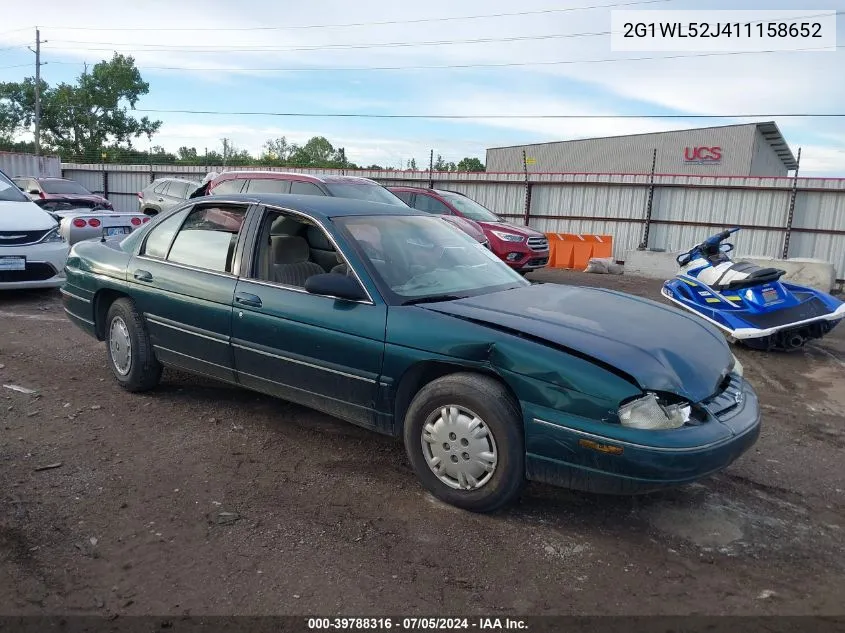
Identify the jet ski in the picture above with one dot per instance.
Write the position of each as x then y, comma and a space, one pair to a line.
748, 302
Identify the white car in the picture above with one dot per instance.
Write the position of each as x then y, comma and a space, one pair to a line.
32, 251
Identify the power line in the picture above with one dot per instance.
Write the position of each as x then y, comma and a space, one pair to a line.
153, 48
25, 28
15, 66
467, 66
354, 24
269, 48
362, 115
8, 48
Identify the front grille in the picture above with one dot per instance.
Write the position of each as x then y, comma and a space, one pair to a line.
20, 238
538, 261
34, 272
538, 243
811, 309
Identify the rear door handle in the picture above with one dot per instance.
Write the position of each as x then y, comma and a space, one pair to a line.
248, 300
143, 275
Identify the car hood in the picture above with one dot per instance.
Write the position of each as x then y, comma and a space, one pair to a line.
24, 216
661, 348
511, 228
467, 226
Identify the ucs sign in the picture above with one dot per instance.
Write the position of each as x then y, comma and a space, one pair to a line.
703, 155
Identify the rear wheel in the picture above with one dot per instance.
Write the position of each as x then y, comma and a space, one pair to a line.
130, 353
464, 438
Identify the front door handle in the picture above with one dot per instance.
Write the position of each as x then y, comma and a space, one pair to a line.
248, 300
143, 275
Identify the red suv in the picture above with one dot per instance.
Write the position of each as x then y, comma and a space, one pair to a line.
521, 247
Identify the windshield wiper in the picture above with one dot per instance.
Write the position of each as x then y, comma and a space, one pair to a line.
432, 299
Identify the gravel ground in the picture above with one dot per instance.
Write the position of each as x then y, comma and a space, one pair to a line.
202, 499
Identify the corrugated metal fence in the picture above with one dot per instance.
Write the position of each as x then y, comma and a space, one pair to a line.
15, 164
685, 209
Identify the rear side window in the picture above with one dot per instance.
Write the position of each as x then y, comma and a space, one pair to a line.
305, 188
430, 205
268, 185
159, 239
178, 189
228, 186
207, 238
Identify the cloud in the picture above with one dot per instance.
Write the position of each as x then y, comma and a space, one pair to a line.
759, 84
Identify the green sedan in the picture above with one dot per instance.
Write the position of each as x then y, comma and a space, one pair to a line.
394, 320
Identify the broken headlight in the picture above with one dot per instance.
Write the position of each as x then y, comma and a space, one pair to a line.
650, 414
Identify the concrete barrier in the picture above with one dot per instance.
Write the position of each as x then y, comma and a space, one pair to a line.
814, 273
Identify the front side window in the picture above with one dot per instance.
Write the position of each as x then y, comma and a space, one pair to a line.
207, 238
404, 196
363, 191
470, 208
292, 248
420, 257
431, 205
9, 192
305, 188
161, 187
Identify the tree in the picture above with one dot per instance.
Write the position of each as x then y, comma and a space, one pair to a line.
82, 118
470, 164
188, 155
412, 164
442, 165
319, 150
278, 149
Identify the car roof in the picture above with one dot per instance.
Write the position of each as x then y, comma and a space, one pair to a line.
319, 206
284, 175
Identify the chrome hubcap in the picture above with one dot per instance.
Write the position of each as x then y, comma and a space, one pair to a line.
120, 346
459, 448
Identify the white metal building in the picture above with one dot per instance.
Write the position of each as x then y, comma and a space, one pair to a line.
751, 149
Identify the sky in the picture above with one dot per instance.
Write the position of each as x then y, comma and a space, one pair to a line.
214, 55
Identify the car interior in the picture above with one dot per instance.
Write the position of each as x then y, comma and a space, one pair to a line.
294, 249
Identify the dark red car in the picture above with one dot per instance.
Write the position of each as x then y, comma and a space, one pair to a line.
336, 186
56, 194
521, 247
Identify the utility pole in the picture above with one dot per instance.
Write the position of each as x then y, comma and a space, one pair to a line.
37, 52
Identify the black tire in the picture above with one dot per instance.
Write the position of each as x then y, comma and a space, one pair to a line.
491, 402
144, 370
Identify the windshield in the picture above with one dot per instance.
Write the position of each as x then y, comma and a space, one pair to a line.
9, 191
365, 191
470, 208
418, 257
64, 186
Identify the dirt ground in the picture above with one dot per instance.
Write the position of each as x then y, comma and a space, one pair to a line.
202, 499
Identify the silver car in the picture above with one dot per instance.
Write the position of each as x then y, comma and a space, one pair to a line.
162, 194
76, 225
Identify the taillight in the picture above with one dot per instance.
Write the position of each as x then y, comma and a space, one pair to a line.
94, 222
146, 219
136, 221
79, 223
140, 196
41, 195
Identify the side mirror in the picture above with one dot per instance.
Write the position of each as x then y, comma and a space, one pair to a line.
335, 285
34, 192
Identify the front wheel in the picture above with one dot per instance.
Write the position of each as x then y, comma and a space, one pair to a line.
464, 438
130, 353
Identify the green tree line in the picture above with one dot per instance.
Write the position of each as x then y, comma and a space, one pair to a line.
91, 121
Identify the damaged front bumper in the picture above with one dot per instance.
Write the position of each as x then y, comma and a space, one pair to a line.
608, 458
